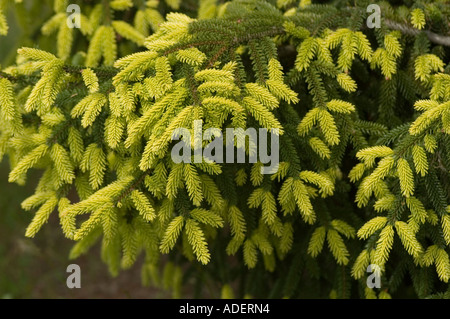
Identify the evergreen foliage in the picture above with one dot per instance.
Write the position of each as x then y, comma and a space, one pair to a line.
363, 117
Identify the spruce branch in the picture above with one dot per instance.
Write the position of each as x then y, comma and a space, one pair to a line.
26, 80
107, 12
433, 37
132, 186
102, 135
193, 44
193, 86
103, 72
216, 56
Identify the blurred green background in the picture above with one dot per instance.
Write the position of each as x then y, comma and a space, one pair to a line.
36, 268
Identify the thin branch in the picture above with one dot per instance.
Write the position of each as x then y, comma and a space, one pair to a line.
103, 71
19, 78
132, 186
433, 37
216, 56
258, 63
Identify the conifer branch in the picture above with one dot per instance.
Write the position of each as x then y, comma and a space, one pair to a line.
216, 56
103, 72
106, 12
433, 37
132, 186
104, 129
23, 79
